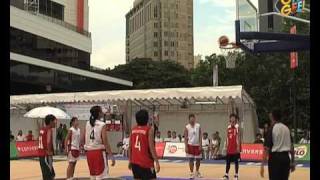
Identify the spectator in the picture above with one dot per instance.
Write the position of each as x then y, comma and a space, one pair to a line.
258, 139
64, 135
125, 146
11, 136
20, 136
168, 139
215, 145
158, 137
174, 137
30, 137
305, 139
59, 139
205, 145
265, 130
119, 146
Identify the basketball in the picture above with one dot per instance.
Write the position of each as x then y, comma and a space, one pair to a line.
223, 41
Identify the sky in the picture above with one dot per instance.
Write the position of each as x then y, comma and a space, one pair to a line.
212, 19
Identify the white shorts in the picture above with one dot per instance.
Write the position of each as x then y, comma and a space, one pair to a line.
105, 173
71, 158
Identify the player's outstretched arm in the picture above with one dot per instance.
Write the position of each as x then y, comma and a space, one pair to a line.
129, 153
107, 145
186, 139
49, 143
153, 150
68, 138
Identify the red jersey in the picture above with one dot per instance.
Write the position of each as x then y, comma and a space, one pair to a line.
140, 153
232, 134
43, 145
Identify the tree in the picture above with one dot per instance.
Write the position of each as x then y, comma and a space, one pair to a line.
146, 74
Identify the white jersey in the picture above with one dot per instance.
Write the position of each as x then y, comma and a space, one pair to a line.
75, 138
193, 134
167, 139
93, 140
176, 139
205, 142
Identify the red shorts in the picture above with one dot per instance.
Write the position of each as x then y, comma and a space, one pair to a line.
194, 151
96, 162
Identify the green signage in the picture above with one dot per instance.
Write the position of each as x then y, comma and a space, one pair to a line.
302, 152
13, 150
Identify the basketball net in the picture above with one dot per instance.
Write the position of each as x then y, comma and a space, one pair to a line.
229, 50
230, 55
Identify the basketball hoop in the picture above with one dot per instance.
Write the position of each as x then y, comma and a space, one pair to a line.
229, 50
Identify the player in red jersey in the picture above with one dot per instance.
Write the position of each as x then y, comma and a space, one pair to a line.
142, 153
233, 147
46, 147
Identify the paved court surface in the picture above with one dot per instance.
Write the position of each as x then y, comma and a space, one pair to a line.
29, 169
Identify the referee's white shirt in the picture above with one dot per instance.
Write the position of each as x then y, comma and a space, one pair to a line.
281, 138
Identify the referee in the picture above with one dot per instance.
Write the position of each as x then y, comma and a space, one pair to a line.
278, 145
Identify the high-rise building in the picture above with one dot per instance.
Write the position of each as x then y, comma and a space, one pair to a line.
50, 48
196, 60
160, 30
270, 23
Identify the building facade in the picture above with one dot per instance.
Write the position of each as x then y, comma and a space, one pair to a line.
160, 30
50, 48
270, 23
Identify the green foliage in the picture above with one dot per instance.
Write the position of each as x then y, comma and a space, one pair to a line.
146, 74
267, 78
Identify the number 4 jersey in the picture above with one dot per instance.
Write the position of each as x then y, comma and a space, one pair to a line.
93, 140
140, 152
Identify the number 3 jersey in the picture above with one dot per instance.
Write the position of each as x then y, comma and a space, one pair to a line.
140, 152
93, 139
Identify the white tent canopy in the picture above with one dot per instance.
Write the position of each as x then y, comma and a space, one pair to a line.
145, 97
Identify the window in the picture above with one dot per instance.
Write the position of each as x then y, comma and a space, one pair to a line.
172, 53
52, 9
165, 33
155, 25
166, 43
155, 11
166, 53
155, 53
172, 44
155, 44
155, 34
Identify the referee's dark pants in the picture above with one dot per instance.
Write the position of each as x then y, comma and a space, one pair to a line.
279, 166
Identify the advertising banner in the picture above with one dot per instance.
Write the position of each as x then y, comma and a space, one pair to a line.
174, 150
160, 149
252, 152
302, 152
13, 150
27, 149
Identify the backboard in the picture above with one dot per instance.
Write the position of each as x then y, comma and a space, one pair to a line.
249, 38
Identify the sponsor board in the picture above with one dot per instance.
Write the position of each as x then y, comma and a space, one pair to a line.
302, 152
160, 149
27, 149
252, 152
174, 150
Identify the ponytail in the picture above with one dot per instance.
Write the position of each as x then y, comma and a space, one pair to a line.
95, 112
92, 120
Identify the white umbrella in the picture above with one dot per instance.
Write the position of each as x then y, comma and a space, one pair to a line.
42, 112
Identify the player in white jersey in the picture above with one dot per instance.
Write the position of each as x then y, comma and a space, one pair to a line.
97, 146
205, 145
193, 145
72, 143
